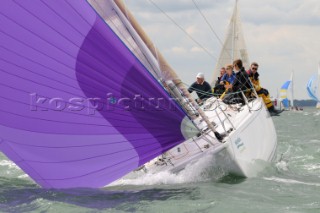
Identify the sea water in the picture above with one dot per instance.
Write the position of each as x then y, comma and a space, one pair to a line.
289, 184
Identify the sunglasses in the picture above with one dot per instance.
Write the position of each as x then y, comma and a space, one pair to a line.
254, 68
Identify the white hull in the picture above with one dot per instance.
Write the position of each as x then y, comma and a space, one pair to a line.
243, 151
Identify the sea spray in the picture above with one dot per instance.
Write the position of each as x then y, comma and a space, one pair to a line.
202, 170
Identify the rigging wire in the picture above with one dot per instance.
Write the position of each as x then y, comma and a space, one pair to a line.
183, 30
208, 23
206, 20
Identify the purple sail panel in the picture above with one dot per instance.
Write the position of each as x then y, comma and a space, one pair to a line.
77, 107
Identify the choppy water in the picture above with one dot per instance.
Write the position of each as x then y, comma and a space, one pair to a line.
291, 184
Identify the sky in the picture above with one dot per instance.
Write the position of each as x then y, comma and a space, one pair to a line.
282, 36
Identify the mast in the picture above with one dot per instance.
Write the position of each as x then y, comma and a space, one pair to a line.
164, 65
292, 85
318, 81
318, 88
234, 32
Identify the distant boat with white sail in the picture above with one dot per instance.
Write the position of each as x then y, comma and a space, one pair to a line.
287, 95
313, 87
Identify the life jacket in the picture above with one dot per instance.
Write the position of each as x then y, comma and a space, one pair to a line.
254, 77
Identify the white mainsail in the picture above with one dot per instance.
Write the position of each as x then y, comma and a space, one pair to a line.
287, 93
234, 46
318, 104
292, 89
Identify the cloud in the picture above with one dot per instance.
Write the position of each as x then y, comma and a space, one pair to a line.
282, 12
196, 49
170, 6
178, 50
191, 29
281, 35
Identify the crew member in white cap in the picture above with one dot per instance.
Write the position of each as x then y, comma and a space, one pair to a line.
201, 87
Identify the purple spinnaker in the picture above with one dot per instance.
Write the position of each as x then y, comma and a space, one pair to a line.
78, 109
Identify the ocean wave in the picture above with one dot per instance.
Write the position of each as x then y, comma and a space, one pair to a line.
290, 181
311, 167
24, 176
314, 141
9, 164
303, 158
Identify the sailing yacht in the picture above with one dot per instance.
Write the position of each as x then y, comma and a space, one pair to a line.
286, 102
74, 112
287, 95
313, 87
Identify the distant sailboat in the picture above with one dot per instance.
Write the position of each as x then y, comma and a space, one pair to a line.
234, 46
287, 95
284, 93
313, 87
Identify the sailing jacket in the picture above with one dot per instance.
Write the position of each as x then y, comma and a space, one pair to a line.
254, 77
203, 90
228, 78
241, 82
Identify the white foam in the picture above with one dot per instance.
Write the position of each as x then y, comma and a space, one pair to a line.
8, 163
311, 167
282, 165
314, 141
290, 181
303, 158
317, 113
24, 176
197, 172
